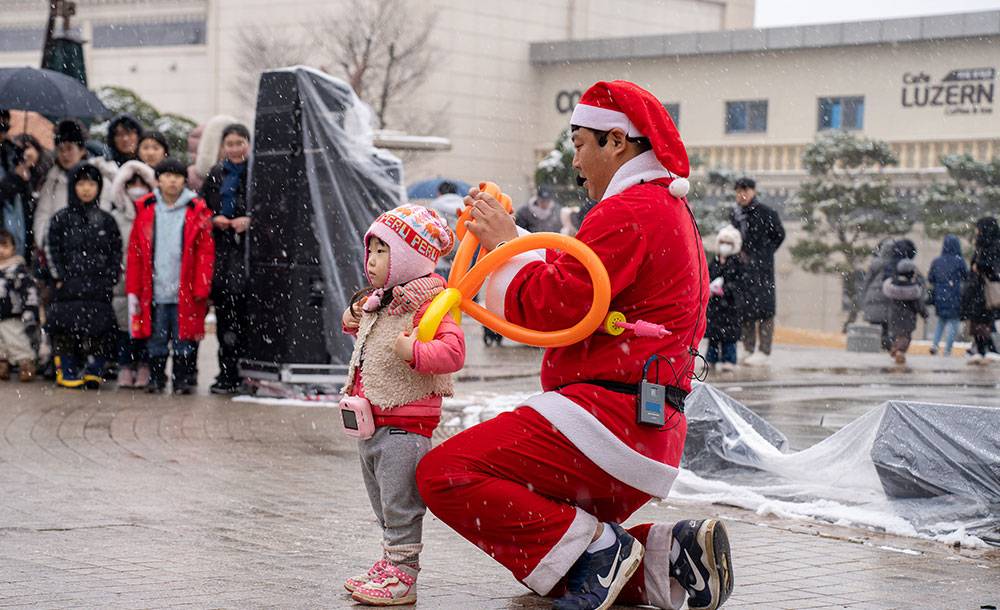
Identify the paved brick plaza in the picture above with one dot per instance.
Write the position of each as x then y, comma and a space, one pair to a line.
116, 499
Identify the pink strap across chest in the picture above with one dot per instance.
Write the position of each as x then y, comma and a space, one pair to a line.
407, 411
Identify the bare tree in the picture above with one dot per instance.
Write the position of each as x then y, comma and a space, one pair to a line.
380, 47
262, 49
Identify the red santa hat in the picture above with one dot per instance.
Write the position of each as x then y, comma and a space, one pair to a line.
627, 106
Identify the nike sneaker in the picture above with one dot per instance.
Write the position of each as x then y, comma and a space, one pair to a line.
701, 562
596, 579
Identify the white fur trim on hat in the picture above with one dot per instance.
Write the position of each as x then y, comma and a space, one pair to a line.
603, 119
210, 144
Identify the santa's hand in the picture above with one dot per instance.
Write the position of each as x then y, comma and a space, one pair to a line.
491, 223
403, 347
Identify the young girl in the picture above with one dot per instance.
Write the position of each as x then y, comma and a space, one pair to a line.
724, 310
404, 381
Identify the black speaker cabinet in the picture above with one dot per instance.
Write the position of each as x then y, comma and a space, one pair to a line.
310, 208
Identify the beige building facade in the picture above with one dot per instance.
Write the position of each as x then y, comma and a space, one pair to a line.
750, 101
182, 56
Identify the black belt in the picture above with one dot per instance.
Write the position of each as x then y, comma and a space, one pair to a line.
675, 396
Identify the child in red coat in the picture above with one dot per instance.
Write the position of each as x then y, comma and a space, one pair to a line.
168, 277
404, 381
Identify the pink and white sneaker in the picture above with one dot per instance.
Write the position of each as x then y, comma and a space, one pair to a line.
353, 583
395, 586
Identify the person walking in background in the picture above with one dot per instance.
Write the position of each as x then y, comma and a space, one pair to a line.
168, 277
981, 300
724, 307
875, 303
763, 234
84, 251
448, 203
541, 213
945, 278
18, 312
225, 193
905, 290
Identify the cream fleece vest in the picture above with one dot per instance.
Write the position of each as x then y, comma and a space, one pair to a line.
389, 381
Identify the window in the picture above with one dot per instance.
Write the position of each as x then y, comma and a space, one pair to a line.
17, 39
674, 110
841, 113
116, 35
748, 116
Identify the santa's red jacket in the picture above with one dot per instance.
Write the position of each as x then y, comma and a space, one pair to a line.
649, 244
197, 260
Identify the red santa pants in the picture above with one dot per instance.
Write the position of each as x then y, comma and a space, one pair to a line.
519, 490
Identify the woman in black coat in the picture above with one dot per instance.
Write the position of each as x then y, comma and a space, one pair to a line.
84, 254
985, 267
225, 192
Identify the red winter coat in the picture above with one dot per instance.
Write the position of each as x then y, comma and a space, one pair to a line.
197, 260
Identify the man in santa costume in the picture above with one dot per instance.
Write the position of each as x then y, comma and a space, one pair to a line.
543, 489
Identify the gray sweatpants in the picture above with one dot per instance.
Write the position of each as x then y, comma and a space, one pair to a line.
389, 464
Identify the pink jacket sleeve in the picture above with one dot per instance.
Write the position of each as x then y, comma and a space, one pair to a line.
443, 354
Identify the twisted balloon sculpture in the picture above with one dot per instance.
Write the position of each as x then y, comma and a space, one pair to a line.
464, 282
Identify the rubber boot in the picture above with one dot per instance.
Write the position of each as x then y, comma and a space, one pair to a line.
93, 373
67, 373
157, 376
183, 375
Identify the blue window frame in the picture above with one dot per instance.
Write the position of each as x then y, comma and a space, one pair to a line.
841, 113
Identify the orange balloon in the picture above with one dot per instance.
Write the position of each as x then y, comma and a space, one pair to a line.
468, 282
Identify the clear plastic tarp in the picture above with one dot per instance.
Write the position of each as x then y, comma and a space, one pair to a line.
907, 468
350, 183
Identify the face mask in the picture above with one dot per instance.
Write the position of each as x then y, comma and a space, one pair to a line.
136, 191
725, 249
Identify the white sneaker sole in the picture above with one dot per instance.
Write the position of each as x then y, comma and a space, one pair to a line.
713, 537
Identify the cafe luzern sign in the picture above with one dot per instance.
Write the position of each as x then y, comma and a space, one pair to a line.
965, 91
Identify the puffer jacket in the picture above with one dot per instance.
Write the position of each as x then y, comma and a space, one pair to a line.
84, 254
946, 275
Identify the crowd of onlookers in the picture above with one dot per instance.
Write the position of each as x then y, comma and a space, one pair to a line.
895, 293
111, 252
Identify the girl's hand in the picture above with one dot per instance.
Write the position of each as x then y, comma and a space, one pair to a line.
220, 222
404, 345
348, 319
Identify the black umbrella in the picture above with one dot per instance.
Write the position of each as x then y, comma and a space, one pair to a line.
49, 93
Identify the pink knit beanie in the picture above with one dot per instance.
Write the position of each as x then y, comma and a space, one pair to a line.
417, 237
